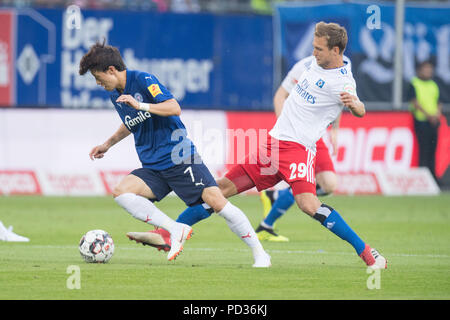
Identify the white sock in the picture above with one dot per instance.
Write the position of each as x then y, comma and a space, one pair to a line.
265, 225
238, 222
144, 210
275, 195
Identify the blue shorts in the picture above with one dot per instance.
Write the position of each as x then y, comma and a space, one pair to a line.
186, 180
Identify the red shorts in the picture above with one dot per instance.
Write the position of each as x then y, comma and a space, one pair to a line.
275, 161
323, 159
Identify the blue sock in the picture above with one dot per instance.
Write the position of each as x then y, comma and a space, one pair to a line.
194, 214
284, 201
332, 220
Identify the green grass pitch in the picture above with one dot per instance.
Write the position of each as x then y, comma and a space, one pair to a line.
413, 233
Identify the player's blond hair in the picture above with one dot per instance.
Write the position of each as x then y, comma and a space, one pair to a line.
335, 34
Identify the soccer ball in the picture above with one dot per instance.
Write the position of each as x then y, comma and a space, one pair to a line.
96, 246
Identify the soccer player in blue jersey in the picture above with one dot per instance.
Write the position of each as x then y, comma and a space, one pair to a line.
169, 159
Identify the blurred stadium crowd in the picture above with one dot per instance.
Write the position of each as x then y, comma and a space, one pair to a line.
244, 6
255, 6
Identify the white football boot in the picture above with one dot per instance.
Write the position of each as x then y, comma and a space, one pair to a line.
158, 238
262, 260
9, 235
373, 259
3, 232
179, 235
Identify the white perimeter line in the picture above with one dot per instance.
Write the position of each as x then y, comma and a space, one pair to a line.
443, 256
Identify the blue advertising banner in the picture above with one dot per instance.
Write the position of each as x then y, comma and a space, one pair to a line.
371, 45
206, 61
218, 61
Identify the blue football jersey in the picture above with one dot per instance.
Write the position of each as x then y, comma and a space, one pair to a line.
161, 142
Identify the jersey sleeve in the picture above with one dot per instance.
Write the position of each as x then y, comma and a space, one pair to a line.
293, 75
153, 89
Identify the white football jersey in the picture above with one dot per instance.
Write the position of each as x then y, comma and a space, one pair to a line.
296, 71
313, 103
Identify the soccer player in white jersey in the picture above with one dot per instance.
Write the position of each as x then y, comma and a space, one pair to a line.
277, 202
322, 91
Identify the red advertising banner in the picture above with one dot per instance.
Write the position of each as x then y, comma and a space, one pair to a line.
70, 183
19, 182
111, 178
358, 183
379, 141
443, 148
6, 57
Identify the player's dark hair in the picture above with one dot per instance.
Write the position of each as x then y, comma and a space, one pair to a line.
100, 57
335, 34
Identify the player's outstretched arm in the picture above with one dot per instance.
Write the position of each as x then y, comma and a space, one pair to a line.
99, 151
278, 100
352, 102
334, 133
166, 108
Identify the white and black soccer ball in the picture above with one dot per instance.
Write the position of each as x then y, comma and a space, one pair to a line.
96, 246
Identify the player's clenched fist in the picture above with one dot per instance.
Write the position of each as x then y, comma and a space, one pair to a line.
129, 100
353, 103
347, 99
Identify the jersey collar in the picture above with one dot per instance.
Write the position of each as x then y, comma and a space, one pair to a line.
334, 70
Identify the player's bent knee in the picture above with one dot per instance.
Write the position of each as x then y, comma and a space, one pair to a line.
307, 208
117, 191
308, 203
327, 180
133, 184
123, 186
214, 198
330, 186
227, 187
